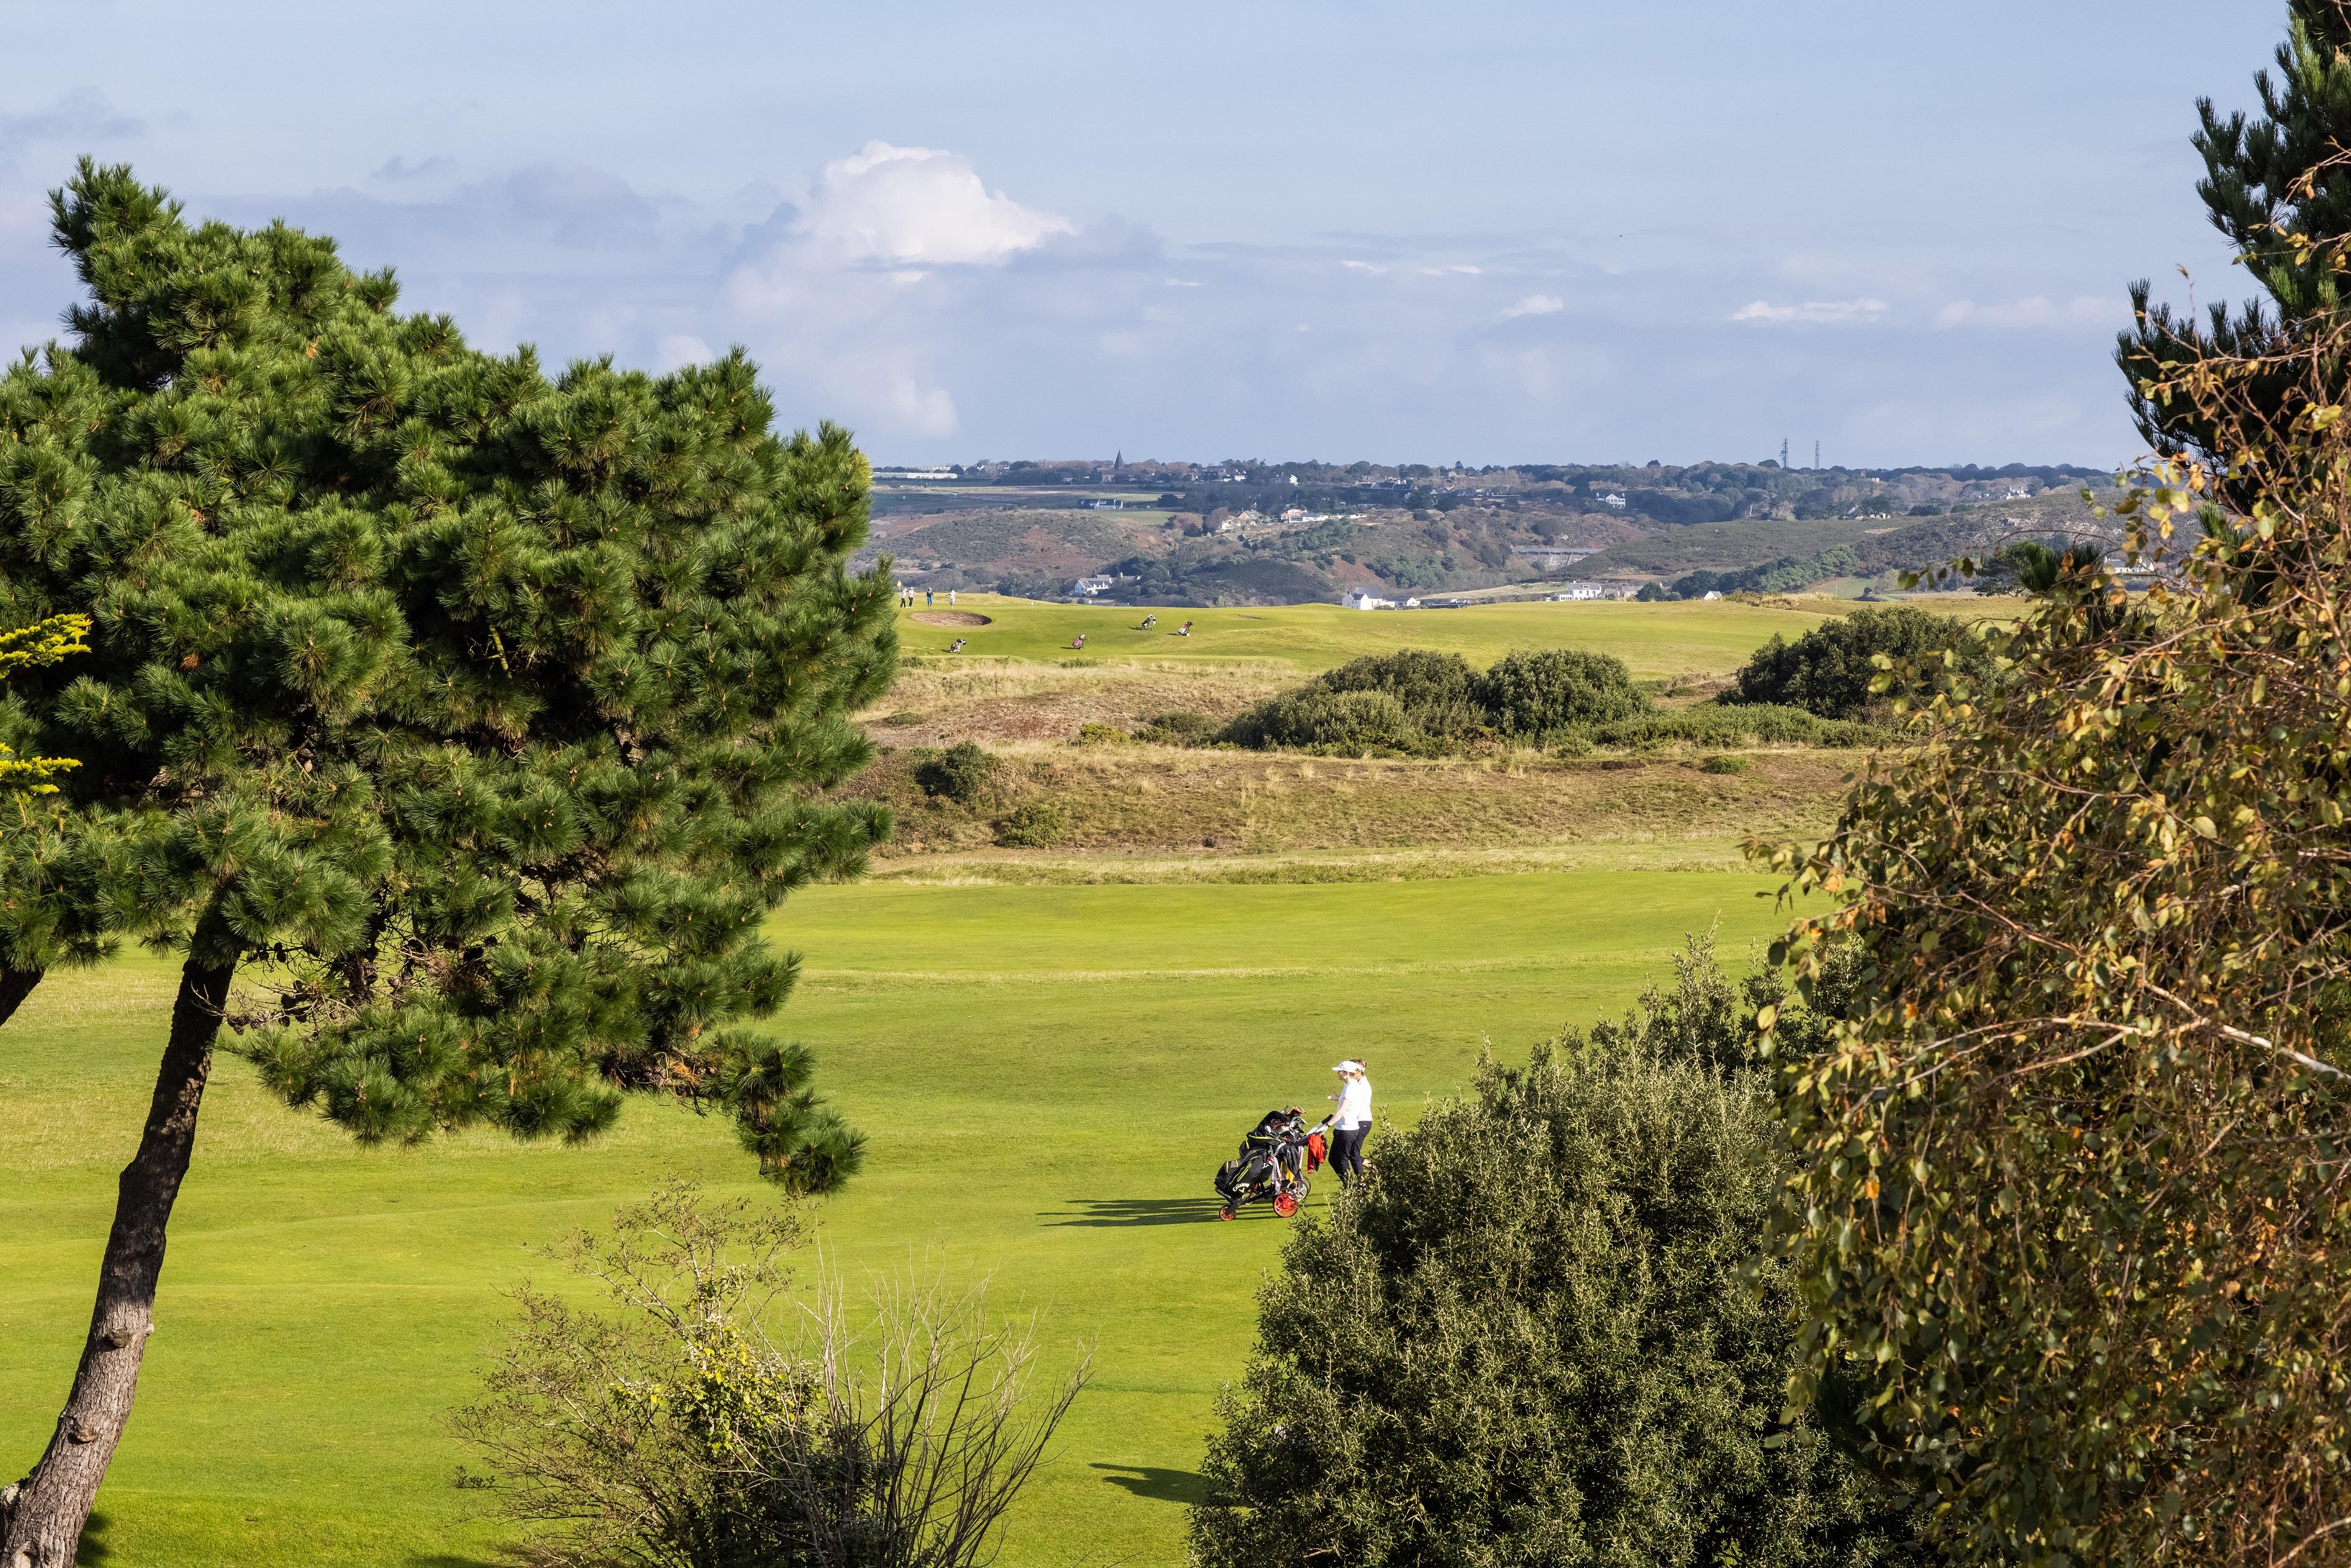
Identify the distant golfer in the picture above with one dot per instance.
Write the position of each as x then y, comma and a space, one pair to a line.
929, 598
1350, 1122
950, 596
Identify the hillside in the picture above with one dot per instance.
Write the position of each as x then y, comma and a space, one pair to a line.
1266, 536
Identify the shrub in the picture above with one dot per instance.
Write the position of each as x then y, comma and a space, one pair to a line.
674, 1430
1181, 729
1549, 1324
1092, 733
1710, 724
964, 773
1035, 826
1724, 764
1827, 671
1534, 694
1313, 718
1421, 679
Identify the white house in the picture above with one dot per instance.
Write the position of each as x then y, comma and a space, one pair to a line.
1364, 599
1089, 586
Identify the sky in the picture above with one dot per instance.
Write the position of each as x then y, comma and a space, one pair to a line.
1552, 231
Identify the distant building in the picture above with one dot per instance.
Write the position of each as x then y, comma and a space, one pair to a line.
1364, 599
1710, 593
907, 473
1611, 499
1089, 586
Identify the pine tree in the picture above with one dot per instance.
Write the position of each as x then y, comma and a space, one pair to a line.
2279, 187
458, 723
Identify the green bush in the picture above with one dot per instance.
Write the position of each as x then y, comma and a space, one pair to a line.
1420, 704
1035, 826
1725, 763
1312, 718
964, 773
1092, 734
1827, 671
1549, 1321
1539, 693
1182, 728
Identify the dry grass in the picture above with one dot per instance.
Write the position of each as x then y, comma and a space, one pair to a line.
1003, 700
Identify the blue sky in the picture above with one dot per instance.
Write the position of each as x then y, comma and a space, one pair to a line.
1564, 231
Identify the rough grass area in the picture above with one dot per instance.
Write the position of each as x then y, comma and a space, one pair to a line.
1128, 799
1049, 1076
993, 700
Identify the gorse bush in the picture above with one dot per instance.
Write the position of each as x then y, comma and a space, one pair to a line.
1530, 695
671, 1428
1037, 825
1417, 702
1545, 1333
1828, 670
1314, 719
1760, 723
966, 773
1181, 729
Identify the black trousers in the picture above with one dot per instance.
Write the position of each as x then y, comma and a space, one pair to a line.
1347, 1152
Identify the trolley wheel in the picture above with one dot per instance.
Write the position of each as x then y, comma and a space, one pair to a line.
1224, 1213
1285, 1205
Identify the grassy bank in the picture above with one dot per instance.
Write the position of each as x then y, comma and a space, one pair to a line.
1050, 1075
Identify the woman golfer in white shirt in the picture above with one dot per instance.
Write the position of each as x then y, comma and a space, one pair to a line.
1351, 1121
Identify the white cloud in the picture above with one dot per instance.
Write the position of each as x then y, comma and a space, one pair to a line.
1536, 305
680, 349
2036, 311
1460, 269
903, 205
921, 411
1362, 266
1813, 311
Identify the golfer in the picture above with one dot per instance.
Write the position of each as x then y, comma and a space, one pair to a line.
1350, 1122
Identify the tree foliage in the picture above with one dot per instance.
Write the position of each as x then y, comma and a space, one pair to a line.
2279, 188
2073, 1209
486, 709
1545, 1334
460, 723
43, 643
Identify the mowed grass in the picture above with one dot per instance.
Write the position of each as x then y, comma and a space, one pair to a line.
1049, 1075
1654, 640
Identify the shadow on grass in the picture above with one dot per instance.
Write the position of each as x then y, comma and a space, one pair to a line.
92, 1547
1160, 1485
1101, 1211
450, 1560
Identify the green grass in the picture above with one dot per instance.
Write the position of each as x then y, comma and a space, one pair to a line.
1049, 1075
1655, 640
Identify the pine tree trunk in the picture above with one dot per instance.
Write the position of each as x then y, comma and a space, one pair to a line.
16, 985
41, 1517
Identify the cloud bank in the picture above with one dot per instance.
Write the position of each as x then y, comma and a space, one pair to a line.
893, 288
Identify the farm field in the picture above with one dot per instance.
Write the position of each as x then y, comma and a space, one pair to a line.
1655, 640
1049, 1075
